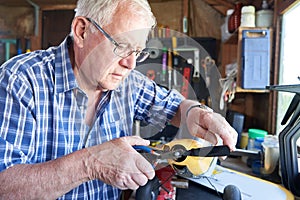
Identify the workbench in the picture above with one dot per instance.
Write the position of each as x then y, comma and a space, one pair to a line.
250, 187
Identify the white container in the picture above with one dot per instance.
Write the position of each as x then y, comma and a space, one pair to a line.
224, 28
271, 154
264, 18
248, 16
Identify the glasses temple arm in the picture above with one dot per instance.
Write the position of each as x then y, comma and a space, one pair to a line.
103, 31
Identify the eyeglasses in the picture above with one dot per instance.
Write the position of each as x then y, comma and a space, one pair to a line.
122, 50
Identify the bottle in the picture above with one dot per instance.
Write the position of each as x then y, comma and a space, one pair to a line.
248, 16
264, 5
235, 18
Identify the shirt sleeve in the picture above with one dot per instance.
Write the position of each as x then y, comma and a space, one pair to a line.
17, 123
154, 104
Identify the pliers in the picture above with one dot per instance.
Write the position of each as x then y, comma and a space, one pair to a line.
156, 156
178, 152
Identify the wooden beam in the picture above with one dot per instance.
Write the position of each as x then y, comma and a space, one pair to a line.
220, 5
224, 3
221, 9
58, 7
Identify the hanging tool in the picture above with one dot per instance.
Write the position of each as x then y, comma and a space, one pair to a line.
19, 46
170, 67
207, 63
186, 81
164, 64
27, 45
176, 67
228, 86
185, 27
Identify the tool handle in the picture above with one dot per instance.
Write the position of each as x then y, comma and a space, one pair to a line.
212, 151
244, 152
143, 149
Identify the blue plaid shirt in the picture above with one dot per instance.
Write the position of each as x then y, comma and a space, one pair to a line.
42, 111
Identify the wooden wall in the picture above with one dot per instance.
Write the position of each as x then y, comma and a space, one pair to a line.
16, 22
204, 21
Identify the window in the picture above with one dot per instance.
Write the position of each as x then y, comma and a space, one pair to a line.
289, 68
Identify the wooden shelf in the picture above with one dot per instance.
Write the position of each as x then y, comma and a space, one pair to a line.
254, 104
241, 90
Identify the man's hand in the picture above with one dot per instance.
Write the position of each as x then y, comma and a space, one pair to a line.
118, 164
207, 124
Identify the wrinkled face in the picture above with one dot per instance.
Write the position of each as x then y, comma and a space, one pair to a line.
98, 66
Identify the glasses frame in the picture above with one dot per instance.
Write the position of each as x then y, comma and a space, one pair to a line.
140, 55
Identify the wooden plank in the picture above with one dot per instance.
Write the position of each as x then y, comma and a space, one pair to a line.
224, 3
59, 7
221, 9
220, 5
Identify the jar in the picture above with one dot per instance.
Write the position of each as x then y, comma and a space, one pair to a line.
235, 18
271, 154
252, 135
264, 18
244, 140
258, 143
248, 16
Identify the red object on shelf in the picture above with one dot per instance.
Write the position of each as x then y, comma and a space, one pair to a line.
234, 20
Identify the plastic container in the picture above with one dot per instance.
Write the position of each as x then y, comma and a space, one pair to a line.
256, 58
224, 28
264, 18
258, 143
257, 134
248, 16
270, 148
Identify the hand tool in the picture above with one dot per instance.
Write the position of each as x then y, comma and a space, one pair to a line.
164, 65
185, 16
186, 81
170, 68
179, 153
207, 63
187, 157
175, 64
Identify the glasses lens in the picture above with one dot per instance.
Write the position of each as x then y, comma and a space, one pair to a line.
122, 50
142, 56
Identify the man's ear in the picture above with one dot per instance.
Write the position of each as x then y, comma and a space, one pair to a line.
79, 28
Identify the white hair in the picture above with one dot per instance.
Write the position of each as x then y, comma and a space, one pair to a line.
103, 10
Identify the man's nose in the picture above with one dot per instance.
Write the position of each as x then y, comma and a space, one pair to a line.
129, 62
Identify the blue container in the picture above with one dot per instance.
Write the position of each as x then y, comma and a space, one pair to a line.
256, 52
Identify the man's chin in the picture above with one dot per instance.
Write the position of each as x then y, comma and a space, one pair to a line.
105, 88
